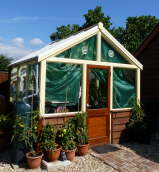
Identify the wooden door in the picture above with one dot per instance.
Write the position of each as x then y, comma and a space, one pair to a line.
98, 93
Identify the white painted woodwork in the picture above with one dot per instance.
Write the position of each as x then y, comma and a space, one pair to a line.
84, 85
42, 87
138, 80
89, 62
98, 46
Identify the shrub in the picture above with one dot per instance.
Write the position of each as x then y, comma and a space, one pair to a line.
137, 127
48, 138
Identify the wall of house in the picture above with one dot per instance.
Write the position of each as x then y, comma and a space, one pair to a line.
119, 120
149, 57
58, 121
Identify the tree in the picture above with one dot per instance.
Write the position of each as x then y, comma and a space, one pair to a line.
64, 31
95, 16
136, 30
92, 17
4, 62
131, 36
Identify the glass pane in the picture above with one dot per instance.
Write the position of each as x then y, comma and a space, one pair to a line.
109, 54
13, 85
86, 50
98, 88
63, 88
123, 84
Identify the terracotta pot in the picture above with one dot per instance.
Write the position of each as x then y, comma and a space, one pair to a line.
54, 155
82, 149
34, 161
70, 154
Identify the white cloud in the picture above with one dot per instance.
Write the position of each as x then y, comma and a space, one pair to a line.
13, 51
36, 41
18, 41
18, 19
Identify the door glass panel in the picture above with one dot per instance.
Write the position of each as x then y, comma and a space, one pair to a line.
98, 79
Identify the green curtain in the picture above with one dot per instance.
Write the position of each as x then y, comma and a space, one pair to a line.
124, 90
63, 82
76, 51
98, 95
115, 58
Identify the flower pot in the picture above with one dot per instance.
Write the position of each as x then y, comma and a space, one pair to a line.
34, 161
82, 149
54, 155
70, 154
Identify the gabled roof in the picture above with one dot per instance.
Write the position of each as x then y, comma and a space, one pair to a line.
55, 47
147, 40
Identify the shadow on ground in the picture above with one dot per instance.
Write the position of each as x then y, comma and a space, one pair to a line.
13, 157
148, 151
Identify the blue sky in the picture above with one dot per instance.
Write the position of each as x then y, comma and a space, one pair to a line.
25, 25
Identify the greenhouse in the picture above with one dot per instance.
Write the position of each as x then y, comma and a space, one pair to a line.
86, 72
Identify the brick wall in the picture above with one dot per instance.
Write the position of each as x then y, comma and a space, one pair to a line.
3, 77
119, 120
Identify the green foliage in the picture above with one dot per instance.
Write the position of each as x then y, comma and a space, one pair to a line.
4, 62
81, 128
137, 115
48, 138
137, 28
64, 31
131, 36
92, 17
137, 127
95, 16
66, 137
25, 134
6, 122
75, 130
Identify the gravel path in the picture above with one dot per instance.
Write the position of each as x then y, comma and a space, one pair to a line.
90, 163
86, 163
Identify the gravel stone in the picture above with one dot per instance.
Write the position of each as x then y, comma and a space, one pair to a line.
86, 163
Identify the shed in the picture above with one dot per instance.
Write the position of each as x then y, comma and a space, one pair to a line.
86, 72
148, 55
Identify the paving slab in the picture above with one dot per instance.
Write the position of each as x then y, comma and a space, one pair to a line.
123, 160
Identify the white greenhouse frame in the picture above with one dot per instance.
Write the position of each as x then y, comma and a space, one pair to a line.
48, 54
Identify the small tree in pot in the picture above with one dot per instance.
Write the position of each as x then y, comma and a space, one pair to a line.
67, 141
48, 142
81, 133
25, 134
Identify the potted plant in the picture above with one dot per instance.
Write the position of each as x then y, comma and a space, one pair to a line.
81, 134
27, 135
67, 141
48, 142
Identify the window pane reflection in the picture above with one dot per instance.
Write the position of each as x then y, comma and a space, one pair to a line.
98, 79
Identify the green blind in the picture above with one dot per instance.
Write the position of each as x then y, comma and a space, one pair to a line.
63, 82
124, 90
86, 50
108, 54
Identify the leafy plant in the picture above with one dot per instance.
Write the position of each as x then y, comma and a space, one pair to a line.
6, 122
24, 133
48, 138
137, 127
137, 114
66, 138
81, 128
